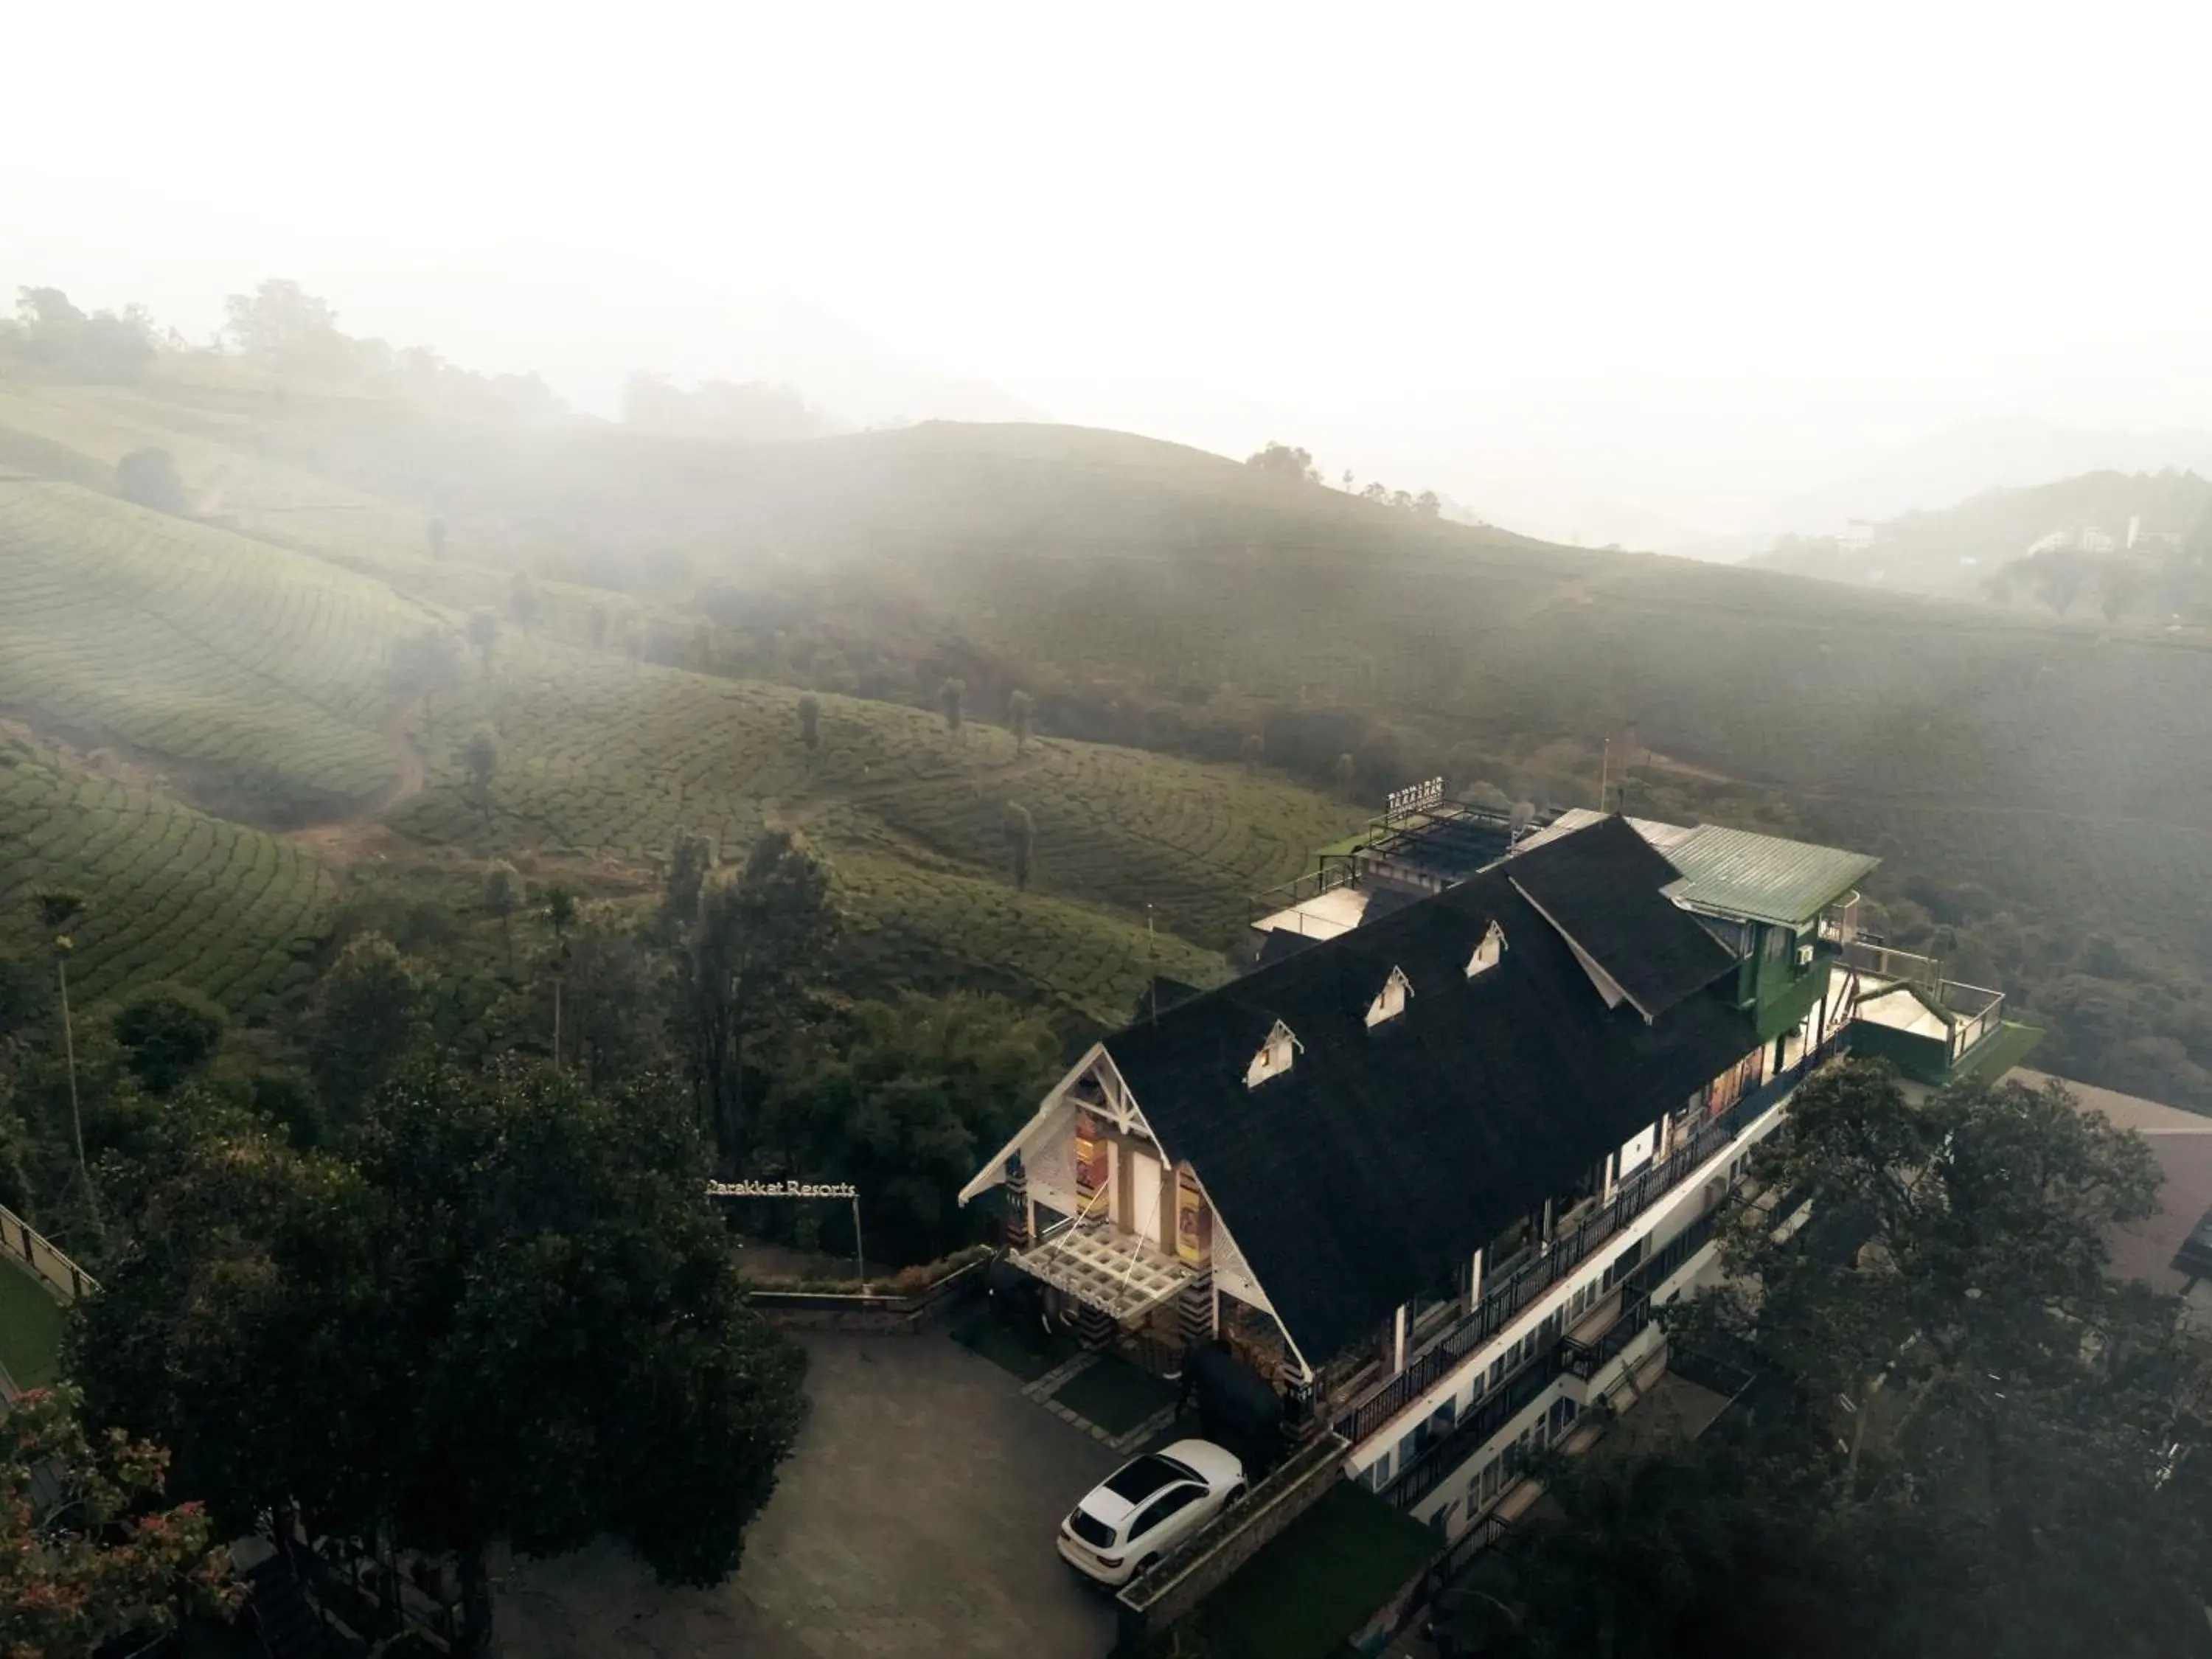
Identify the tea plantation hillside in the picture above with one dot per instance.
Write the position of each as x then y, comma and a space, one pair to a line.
600, 757
174, 894
256, 674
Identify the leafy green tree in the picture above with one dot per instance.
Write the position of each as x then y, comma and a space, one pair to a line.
510, 1315
1020, 832
1253, 748
763, 936
1021, 716
952, 697
149, 478
615, 997
810, 725
480, 759
502, 897
1282, 461
367, 1014
281, 321
168, 1033
902, 1098
1428, 504
59, 909
691, 858
1346, 773
559, 916
89, 1555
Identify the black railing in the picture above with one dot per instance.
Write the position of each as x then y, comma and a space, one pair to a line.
1449, 1452
1503, 1302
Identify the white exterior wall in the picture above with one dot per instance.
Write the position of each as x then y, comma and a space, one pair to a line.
1658, 1225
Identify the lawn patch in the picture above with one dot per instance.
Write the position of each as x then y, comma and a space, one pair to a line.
1310, 1589
31, 1325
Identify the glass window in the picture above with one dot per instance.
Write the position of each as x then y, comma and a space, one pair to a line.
1090, 1529
1162, 1508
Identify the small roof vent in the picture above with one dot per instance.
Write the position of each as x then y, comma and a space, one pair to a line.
1390, 1002
1488, 954
1274, 1056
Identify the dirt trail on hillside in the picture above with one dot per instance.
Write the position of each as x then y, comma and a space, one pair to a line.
341, 840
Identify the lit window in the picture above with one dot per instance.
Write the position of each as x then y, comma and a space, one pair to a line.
1274, 1056
1489, 953
1390, 1002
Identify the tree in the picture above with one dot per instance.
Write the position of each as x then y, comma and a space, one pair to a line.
425, 663
1376, 491
1946, 1321
615, 998
502, 897
595, 625
480, 759
510, 1316
59, 909
483, 634
59, 338
1021, 714
633, 643
367, 1015
1281, 461
1254, 746
149, 478
950, 696
902, 1098
89, 1553
559, 916
283, 321
1428, 504
810, 725
1020, 832
169, 1032
1346, 773
763, 935
691, 857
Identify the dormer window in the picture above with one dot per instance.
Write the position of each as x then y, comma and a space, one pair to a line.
1488, 954
1390, 1002
1274, 1056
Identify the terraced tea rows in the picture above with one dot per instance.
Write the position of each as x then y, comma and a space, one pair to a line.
174, 894
599, 757
934, 929
255, 673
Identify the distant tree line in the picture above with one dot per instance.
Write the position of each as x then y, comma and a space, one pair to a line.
1283, 461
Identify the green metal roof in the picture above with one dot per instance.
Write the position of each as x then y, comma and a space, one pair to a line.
1736, 874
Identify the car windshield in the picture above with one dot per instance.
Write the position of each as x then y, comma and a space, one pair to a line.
1141, 1479
1090, 1529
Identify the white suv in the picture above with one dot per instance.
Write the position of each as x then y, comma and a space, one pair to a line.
1146, 1507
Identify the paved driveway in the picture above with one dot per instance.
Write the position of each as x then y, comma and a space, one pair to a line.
916, 1516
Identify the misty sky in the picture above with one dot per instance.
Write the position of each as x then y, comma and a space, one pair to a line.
1682, 255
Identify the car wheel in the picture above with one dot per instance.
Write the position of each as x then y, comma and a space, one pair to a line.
1146, 1565
1235, 1495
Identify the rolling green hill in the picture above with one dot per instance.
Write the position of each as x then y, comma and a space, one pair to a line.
174, 894
2040, 789
256, 675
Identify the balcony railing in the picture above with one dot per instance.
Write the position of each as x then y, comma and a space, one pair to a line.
1567, 1357
1504, 1299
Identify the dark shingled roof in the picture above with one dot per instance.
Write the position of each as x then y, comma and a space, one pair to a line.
1386, 1157
1600, 886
